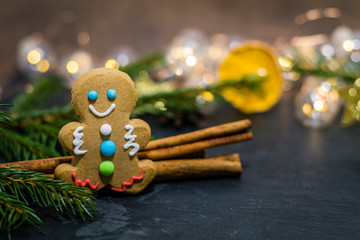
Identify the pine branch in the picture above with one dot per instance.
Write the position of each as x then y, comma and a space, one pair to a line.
247, 83
18, 147
326, 73
47, 115
339, 67
45, 88
46, 134
181, 100
21, 188
15, 213
148, 63
38, 189
6, 118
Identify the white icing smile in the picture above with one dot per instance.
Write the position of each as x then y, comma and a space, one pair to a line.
102, 114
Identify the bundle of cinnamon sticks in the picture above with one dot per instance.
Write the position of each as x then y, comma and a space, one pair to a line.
177, 157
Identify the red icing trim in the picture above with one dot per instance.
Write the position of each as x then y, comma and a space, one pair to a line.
127, 184
79, 183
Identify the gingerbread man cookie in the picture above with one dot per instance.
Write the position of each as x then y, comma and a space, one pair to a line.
105, 142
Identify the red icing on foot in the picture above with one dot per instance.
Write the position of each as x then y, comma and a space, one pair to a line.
79, 183
127, 184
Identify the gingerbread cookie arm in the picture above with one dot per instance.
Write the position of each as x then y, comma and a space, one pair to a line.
70, 137
142, 132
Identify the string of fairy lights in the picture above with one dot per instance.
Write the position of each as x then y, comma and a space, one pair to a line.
318, 102
193, 60
190, 55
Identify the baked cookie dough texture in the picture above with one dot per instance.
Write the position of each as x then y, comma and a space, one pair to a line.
105, 141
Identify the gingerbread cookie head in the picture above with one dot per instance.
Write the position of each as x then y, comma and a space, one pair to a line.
105, 141
102, 93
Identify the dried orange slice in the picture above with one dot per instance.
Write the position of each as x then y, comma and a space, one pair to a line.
252, 57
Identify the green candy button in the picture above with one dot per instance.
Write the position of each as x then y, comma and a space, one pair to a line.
106, 168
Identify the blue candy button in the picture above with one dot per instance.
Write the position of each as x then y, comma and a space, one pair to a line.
92, 95
107, 148
111, 93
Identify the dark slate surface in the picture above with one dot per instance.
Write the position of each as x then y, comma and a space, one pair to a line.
297, 183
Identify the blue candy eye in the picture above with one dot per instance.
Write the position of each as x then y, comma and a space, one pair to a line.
92, 95
111, 93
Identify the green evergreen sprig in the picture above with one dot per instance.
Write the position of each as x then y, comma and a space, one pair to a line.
19, 147
148, 63
41, 94
15, 213
20, 141
20, 189
49, 114
182, 100
6, 116
341, 67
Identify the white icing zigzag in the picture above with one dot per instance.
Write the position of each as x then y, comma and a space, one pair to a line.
131, 139
78, 142
103, 114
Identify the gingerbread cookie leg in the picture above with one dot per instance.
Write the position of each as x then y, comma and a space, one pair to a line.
64, 172
136, 179
78, 176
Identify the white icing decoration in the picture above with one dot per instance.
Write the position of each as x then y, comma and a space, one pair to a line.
131, 139
103, 114
105, 129
78, 142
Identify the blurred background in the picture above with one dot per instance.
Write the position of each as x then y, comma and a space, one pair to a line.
312, 45
150, 25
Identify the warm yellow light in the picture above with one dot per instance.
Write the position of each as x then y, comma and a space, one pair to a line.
186, 51
324, 89
320, 106
352, 92
34, 56
307, 109
293, 76
208, 96
357, 82
208, 78
285, 63
29, 88
332, 12
43, 66
313, 14
262, 72
348, 45
72, 67
191, 61
178, 71
111, 63
160, 105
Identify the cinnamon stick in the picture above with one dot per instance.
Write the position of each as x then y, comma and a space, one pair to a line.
212, 132
220, 166
227, 165
175, 151
40, 165
194, 155
48, 165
